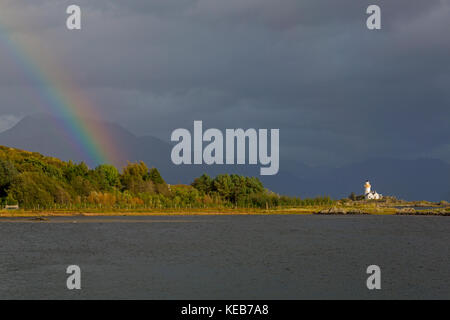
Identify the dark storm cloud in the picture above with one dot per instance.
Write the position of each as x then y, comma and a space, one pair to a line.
337, 91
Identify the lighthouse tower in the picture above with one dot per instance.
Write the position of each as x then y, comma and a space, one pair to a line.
367, 187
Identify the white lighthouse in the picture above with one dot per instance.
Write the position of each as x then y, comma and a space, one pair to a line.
367, 187
369, 194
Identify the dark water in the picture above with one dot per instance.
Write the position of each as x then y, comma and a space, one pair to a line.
226, 257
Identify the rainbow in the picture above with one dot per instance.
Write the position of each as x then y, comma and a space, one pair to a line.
62, 99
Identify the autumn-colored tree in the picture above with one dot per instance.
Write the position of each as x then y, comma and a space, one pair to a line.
135, 178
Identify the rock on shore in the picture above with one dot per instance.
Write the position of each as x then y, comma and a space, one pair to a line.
341, 211
412, 211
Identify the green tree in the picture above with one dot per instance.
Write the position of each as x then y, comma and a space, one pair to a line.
7, 174
138, 169
203, 184
155, 176
135, 178
33, 189
76, 170
82, 186
223, 185
108, 176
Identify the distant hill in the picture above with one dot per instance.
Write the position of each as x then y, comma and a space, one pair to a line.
40, 133
420, 179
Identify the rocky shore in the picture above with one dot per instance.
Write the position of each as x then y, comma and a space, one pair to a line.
341, 211
412, 211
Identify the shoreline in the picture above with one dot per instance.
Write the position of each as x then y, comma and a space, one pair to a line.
215, 212
33, 214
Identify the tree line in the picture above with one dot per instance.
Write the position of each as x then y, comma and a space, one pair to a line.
37, 182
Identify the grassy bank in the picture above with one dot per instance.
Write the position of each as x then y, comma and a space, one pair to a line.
155, 212
354, 209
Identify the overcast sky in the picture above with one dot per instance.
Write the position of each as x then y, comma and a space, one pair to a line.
338, 92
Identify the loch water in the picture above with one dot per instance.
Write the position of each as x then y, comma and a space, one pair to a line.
226, 257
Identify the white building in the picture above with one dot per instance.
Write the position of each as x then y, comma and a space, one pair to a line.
369, 194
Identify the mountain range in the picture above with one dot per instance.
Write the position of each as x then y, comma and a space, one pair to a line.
418, 179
